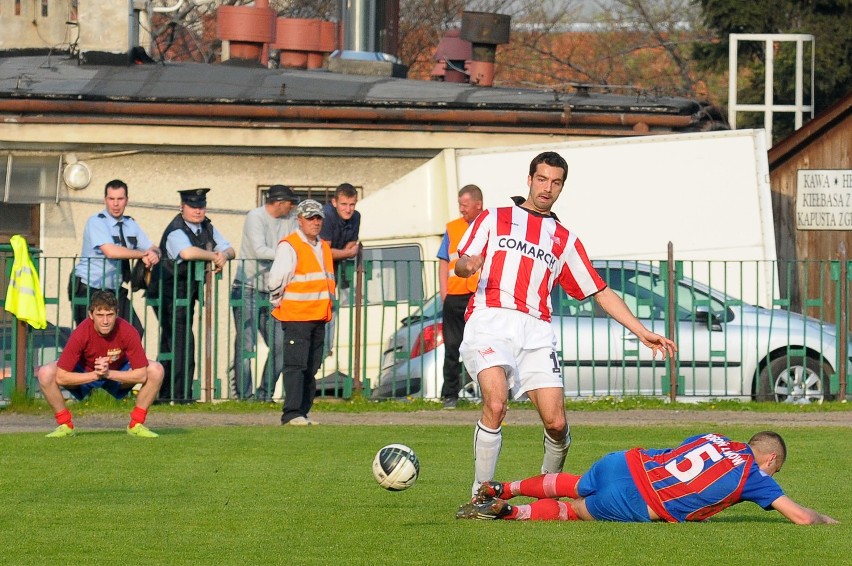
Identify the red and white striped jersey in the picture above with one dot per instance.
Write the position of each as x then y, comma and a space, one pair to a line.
526, 254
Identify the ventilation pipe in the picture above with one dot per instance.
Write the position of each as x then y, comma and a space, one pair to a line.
452, 55
370, 26
296, 38
328, 35
485, 31
247, 30
303, 42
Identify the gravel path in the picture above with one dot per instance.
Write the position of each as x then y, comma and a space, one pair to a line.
13, 422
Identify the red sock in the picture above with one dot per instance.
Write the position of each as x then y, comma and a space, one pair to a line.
63, 417
545, 485
137, 416
544, 510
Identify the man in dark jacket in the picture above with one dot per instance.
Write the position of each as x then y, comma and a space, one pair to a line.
190, 244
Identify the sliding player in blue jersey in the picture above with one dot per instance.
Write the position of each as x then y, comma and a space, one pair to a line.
704, 475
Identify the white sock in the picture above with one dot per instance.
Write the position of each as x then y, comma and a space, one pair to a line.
555, 452
487, 443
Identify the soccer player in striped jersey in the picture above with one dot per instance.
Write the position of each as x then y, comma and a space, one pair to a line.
509, 345
704, 475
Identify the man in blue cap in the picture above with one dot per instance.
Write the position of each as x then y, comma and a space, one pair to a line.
190, 239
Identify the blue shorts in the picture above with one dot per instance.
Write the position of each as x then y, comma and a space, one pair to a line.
610, 493
114, 388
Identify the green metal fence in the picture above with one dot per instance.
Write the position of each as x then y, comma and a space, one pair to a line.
740, 333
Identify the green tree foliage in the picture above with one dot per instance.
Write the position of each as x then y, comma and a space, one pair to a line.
829, 21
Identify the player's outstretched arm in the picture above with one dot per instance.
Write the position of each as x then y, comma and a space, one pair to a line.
798, 514
615, 307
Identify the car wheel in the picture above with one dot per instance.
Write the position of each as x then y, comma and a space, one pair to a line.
794, 379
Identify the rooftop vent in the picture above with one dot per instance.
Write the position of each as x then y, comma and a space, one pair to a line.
247, 30
485, 31
451, 55
304, 43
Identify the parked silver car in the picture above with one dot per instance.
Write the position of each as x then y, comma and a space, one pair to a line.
727, 348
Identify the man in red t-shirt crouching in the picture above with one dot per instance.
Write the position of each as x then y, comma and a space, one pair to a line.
104, 351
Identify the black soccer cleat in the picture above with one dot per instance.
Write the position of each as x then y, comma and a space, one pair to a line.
489, 490
487, 510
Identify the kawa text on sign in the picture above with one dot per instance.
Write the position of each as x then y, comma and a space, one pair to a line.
824, 199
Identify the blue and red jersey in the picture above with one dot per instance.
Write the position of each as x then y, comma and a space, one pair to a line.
699, 478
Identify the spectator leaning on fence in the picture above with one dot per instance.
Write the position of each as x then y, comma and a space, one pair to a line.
110, 240
189, 239
263, 229
340, 229
301, 282
103, 352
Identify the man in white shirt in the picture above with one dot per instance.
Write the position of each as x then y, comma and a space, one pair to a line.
263, 229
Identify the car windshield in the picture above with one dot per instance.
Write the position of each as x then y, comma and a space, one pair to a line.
431, 309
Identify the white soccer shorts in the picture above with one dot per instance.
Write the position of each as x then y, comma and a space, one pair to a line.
524, 346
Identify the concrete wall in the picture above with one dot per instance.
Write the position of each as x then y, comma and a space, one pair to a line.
30, 30
104, 26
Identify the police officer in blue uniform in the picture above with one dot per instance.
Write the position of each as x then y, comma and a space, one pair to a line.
110, 240
189, 239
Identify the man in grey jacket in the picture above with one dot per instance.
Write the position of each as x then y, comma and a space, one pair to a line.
265, 226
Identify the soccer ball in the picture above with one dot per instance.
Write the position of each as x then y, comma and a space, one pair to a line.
396, 467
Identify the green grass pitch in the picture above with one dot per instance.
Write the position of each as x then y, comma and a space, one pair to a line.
283, 495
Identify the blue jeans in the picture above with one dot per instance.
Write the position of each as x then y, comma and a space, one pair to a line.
255, 314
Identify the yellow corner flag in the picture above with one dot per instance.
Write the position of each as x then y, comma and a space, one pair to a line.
24, 298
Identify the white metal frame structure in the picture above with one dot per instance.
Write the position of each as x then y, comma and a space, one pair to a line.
768, 107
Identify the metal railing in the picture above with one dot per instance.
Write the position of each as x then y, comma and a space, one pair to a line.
388, 342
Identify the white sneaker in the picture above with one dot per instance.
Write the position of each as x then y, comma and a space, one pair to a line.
311, 421
299, 421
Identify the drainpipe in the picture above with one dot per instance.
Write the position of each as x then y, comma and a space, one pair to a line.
560, 117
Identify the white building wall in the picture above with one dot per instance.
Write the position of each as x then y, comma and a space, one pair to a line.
31, 30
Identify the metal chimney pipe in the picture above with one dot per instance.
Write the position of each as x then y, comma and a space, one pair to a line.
370, 25
485, 31
357, 24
